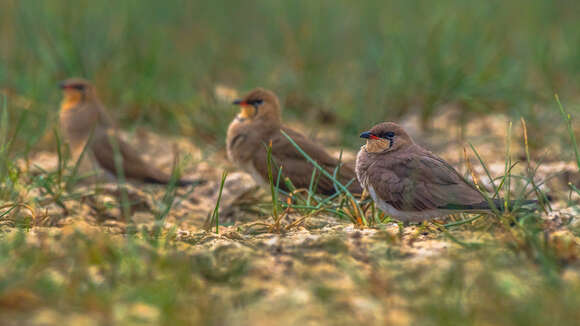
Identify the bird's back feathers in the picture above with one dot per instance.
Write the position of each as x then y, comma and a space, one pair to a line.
298, 169
418, 180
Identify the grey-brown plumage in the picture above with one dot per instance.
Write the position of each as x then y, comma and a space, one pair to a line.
83, 118
260, 123
409, 182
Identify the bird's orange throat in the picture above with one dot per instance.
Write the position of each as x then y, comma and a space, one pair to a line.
376, 145
247, 112
71, 99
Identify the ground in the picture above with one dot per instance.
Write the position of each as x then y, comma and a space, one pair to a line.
452, 72
78, 260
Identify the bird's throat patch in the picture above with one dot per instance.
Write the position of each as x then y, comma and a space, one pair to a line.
377, 145
71, 99
247, 112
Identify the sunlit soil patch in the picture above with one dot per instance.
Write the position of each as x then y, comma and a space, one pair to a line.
76, 258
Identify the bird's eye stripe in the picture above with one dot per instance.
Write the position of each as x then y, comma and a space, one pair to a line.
389, 134
256, 102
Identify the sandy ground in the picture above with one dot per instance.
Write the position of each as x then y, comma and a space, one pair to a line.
295, 266
192, 206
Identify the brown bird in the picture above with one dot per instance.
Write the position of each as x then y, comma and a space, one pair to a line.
410, 183
83, 118
258, 124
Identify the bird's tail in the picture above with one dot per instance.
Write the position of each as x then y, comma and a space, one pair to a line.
190, 182
499, 204
179, 183
162, 178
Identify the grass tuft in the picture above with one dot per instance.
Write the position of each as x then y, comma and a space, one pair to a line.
213, 219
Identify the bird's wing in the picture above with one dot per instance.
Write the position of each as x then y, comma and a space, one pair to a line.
133, 165
297, 168
416, 182
105, 119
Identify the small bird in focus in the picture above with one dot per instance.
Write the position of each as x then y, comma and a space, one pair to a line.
259, 124
83, 119
410, 183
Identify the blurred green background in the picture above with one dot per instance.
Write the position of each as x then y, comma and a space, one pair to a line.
358, 62
348, 64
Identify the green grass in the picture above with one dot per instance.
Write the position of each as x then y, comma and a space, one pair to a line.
363, 62
343, 63
103, 277
114, 279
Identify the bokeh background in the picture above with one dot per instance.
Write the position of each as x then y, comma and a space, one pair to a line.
346, 63
457, 69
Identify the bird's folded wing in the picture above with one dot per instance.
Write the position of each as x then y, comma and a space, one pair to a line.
103, 146
296, 167
105, 118
299, 171
419, 182
280, 144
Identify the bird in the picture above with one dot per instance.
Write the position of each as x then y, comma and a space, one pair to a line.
85, 123
259, 124
410, 183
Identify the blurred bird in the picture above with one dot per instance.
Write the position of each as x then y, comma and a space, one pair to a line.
258, 124
410, 183
83, 119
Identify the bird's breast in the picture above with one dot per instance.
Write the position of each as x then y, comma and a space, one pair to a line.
361, 167
238, 142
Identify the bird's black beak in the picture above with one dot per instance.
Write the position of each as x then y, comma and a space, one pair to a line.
238, 102
62, 85
366, 134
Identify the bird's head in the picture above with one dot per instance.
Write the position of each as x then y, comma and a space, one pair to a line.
260, 104
76, 91
386, 137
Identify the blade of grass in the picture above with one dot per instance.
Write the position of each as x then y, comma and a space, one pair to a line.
508, 166
310, 187
273, 189
531, 172
484, 165
215, 215
120, 177
328, 175
73, 177
168, 199
4, 124
568, 119
475, 180
457, 223
336, 170
573, 187
60, 158
270, 178
4, 138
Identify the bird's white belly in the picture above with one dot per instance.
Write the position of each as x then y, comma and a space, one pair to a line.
411, 216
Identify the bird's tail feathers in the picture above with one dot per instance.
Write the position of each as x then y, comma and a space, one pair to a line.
190, 182
498, 203
179, 183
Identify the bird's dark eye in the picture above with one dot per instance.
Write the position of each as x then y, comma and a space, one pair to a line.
389, 134
255, 102
79, 87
